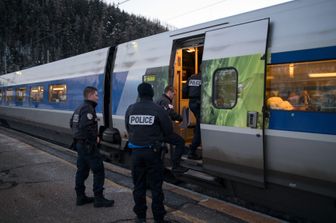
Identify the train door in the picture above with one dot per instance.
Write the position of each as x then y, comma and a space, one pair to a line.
187, 60
232, 123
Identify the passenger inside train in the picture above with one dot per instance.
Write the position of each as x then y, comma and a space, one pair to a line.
307, 86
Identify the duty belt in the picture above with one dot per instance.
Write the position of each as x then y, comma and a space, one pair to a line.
133, 146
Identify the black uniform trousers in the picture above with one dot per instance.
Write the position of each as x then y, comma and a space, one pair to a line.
89, 159
147, 167
176, 140
196, 110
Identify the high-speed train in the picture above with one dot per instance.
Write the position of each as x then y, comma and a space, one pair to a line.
268, 106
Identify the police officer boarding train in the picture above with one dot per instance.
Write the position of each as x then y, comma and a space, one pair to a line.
165, 101
193, 91
147, 125
84, 127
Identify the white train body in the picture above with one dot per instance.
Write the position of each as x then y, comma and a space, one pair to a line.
250, 63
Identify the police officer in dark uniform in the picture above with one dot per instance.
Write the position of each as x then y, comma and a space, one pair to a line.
147, 124
193, 90
84, 126
165, 101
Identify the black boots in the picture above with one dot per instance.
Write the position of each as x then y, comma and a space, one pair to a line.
193, 156
98, 201
83, 199
101, 201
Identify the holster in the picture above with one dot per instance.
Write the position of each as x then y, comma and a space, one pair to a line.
91, 147
160, 148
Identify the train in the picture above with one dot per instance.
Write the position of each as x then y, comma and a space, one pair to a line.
268, 101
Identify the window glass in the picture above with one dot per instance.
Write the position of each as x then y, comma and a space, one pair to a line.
20, 94
36, 93
309, 86
156, 83
57, 93
1, 95
9, 95
225, 88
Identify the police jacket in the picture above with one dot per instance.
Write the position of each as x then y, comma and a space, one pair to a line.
147, 123
84, 122
166, 103
193, 88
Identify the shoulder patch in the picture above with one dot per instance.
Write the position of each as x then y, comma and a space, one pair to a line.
89, 116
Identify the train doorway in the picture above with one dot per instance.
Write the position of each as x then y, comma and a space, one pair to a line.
187, 61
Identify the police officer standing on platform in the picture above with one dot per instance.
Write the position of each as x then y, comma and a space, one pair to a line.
84, 127
193, 91
147, 124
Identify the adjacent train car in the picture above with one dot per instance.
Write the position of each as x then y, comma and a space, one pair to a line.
268, 106
41, 99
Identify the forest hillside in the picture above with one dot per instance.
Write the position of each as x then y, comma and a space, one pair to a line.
35, 32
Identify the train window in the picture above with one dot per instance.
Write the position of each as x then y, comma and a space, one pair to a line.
36, 93
308, 86
9, 95
225, 84
20, 94
57, 93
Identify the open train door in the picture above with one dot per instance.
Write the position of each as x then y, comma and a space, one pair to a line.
232, 122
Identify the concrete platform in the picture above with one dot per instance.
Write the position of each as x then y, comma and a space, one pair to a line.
38, 187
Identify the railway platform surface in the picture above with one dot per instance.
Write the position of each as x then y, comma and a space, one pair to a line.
36, 186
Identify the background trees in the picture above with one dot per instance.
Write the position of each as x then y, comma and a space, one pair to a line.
34, 32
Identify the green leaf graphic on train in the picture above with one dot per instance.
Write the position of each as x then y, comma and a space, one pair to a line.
249, 90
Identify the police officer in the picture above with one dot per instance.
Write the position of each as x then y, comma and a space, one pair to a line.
193, 90
165, 101
147, 124
85, 129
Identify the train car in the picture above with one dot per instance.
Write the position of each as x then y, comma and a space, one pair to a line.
268, 105
41, 99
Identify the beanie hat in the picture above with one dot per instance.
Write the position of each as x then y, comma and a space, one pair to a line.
145, 90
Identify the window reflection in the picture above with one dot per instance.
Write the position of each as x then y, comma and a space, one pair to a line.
9, 95
36, 93
20, 94
225, 88
309, 86
57, 93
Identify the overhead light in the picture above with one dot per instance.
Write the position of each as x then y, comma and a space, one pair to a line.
291, 70
316, 75
191, 50
58, 89
134, 44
